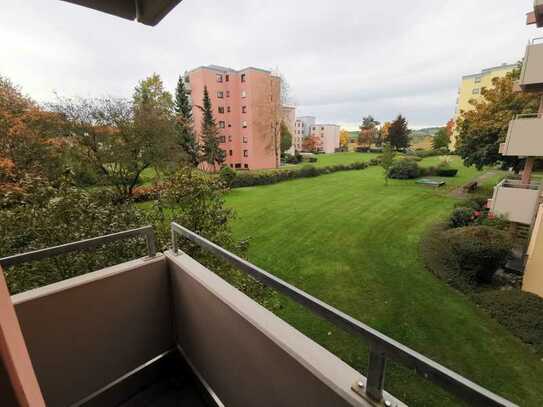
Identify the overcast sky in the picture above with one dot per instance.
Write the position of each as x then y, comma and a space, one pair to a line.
343, 59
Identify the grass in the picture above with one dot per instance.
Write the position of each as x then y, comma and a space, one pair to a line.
354, 243
324, 160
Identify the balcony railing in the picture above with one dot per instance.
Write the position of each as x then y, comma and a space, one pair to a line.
531, 77
524, 136
516, 201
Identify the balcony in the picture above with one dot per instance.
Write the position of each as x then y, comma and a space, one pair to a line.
536, 16
531, 76
164, 330
516, 201
524, 137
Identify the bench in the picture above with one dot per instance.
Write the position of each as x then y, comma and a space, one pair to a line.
431, 182
470, 186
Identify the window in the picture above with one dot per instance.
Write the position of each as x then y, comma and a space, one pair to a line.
229, 138
477, 79
244, 124
322, 128
221, 109
245, 139
222, 139
230, 153
187, 79
243, 94
243, 109
227, 78
219, 78
238, 165
243, 77
227, 93
220, 94
229, 125
246, 153
228, 109
221, 125
476, 91
246, 165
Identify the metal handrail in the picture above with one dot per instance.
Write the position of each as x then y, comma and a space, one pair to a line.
381, 346
146, 231
514, 183
528, 115
536, 40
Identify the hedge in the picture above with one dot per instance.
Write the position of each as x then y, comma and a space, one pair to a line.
518, 311
253, 178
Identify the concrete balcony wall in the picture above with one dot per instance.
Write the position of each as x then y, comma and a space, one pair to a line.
531, 77
85, 332
249, 356
533, 273
515, 201
524, 137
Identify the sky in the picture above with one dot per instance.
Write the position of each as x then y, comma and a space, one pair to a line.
342, 60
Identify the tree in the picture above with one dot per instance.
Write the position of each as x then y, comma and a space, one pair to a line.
310, 144
384, 131
481, 130
398, 133
344, 139
368, 131
184, 124
387, 158
212, 154
286, 138
441, 139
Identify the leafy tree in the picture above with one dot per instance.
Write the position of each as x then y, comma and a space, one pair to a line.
310, 144
368, 131
212, 154
286, 138
344, 138
184, 124
481, 130
384, 131
441, 139
387, 158
398, 133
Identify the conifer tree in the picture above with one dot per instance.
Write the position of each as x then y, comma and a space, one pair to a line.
398, 133
184, 123
212, 154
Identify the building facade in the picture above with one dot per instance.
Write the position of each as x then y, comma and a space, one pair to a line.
302, 130
247, 109
289, 118
521, 200
471, 86
327, 136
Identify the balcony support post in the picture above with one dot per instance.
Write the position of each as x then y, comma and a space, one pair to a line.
376, 374
527, 171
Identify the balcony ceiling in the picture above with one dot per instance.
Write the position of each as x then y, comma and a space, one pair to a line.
148, 12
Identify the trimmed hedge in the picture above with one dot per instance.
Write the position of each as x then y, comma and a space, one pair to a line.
404, 169
447, 172
253, 178
518, 311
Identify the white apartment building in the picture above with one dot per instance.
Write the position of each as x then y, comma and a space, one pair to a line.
302, 129
327, 135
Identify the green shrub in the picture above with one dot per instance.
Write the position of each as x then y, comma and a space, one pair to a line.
447, 172
227, 175
403, 169
478, 251
475, 202
309, 171
461, 217
520, 312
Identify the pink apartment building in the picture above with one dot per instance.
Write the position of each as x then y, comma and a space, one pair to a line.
247, 109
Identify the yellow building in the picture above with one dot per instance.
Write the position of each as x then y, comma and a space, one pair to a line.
471, 86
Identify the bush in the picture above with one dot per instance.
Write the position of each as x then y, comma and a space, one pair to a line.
447, 172
461, 217
309, 171
362, 149
518, 311
478, 251
312, 159
227, 175
404, 169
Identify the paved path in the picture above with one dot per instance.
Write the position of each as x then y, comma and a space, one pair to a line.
459, 192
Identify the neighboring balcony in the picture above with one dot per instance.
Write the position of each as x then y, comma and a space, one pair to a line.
524, 137
531, 77
516, 201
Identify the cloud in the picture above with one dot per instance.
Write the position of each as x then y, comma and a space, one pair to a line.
343, 60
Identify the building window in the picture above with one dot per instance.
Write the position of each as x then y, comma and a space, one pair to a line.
221, 109
244, 124
238, 165
477, 79
476, 91
243, 94
229, 125
243, 77
219, 78
243, 109
322, 128
229, 138
246, 153
230, 153
220, 94
222, 139
245, 139
221, 125
246, 165
227, 78
227, 93
228, 109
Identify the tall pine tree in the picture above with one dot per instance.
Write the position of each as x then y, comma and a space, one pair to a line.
212, 154
398, 133
184, 123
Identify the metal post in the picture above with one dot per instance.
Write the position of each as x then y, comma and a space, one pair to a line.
376, 374
174, 240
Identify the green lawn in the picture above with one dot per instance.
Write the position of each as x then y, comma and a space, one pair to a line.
354, 243
324, 160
